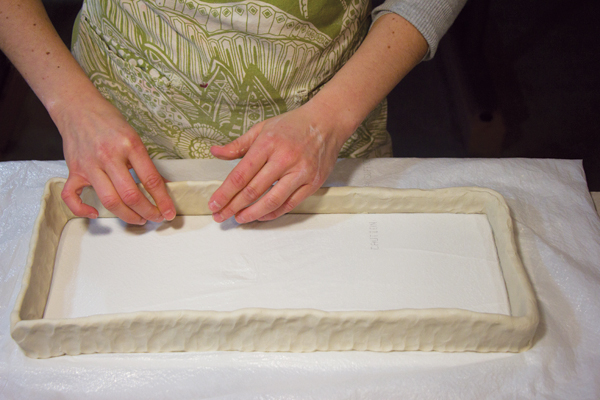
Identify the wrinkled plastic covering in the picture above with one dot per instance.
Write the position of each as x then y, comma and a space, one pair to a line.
557, 231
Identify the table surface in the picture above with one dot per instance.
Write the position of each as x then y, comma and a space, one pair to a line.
556, 228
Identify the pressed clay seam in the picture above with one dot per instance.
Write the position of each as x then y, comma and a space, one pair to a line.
297, 330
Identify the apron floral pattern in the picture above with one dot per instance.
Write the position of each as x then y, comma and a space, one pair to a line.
190, 74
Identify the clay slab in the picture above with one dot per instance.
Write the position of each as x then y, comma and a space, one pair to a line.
298, 330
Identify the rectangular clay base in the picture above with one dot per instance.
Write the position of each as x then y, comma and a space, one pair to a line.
296, 330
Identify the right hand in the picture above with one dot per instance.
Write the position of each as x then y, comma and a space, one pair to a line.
100, 147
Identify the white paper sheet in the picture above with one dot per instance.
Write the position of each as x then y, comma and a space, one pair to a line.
330, 262
557, 230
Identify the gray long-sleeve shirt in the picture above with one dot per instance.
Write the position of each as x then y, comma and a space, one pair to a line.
431, 17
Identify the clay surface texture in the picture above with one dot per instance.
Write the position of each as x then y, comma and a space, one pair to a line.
292, 330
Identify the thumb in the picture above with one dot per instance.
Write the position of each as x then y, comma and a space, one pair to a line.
239, 147
70, 195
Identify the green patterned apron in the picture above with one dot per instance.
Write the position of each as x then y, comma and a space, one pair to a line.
190, 74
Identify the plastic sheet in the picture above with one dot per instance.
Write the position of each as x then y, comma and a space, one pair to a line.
557, 231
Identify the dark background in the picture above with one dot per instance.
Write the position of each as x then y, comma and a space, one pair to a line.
511, 79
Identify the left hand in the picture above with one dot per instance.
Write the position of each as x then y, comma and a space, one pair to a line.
297, 149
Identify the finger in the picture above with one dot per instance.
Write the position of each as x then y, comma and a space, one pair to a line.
131, 194
292, 202
240, 146
271, 201
111, 200
154, 183
71, 196
261, 182
237, 180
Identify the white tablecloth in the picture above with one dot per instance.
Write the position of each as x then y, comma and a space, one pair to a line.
557, 231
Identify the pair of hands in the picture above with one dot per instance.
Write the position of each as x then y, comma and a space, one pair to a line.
296, 151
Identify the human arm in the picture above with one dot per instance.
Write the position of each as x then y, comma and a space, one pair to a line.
299, 148
431, 17
99, 146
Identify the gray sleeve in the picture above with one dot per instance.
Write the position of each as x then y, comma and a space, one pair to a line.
431, 17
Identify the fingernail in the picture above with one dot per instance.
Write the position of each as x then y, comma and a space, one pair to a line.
169, 215
214, 206
92, 216
240, 219
218, 217
142, 222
